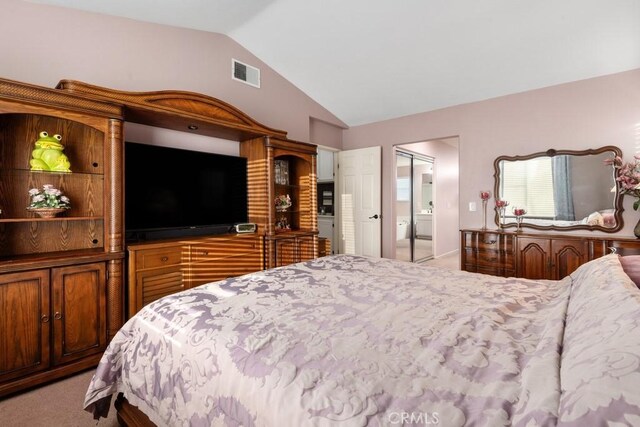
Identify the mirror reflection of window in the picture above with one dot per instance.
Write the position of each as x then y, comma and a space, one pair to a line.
529, 183
562, 189
402, 190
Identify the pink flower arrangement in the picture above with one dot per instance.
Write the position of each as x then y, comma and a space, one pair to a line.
48, 197
519, 211
484, 195
628, 176
500, 204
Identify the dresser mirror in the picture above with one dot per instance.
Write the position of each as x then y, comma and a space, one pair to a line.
560, 190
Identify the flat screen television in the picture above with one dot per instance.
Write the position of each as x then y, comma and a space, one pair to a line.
172, 192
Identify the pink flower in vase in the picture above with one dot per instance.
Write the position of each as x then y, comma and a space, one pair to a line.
519, 211
485, 195
501, 204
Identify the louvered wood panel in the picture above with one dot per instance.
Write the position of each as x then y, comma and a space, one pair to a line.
154, 284
220, 258
285, 251
306, 248
258, 183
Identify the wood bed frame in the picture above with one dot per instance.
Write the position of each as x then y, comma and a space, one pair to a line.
129, 415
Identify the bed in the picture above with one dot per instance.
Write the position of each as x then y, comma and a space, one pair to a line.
355, 341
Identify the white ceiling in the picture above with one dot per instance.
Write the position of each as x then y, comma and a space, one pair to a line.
370, 60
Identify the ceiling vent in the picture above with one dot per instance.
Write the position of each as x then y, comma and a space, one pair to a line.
245, 73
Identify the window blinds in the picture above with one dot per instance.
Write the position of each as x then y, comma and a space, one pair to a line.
530, 185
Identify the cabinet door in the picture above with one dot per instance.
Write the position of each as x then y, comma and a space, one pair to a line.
567, 255
153, 273
534, 258
325, 165
79, 311
156, 283
305, 245
24, 323
285, 251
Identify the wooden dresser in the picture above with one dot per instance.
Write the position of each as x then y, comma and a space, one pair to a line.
535, 255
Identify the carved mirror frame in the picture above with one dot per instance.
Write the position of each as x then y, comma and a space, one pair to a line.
617, 206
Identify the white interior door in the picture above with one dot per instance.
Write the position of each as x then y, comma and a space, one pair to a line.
359, 190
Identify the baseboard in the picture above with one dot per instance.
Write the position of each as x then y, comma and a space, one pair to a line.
447, 254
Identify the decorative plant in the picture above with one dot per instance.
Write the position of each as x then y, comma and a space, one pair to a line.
48, 197
628, 176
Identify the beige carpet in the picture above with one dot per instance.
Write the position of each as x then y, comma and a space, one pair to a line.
58, 404
450, 261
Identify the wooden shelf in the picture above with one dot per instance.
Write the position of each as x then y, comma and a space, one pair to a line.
60, 218
293, 186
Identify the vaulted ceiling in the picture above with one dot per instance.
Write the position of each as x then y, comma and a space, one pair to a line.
371, 60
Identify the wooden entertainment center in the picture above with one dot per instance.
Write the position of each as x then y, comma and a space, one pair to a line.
63, 293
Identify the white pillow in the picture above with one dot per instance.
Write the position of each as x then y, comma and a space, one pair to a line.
595, 218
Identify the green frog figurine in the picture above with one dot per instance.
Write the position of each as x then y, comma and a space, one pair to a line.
48, 155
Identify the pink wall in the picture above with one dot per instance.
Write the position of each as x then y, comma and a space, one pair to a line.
42, 44
326, 134
585, 114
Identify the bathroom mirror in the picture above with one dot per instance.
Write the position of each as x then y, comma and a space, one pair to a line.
560, 190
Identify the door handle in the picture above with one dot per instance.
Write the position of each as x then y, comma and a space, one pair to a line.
375, 216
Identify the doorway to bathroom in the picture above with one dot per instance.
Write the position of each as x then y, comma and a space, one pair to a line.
414, 206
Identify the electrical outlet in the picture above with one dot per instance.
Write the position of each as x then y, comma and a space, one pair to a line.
472, 207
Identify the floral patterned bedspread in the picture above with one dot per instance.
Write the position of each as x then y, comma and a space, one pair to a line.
355, 341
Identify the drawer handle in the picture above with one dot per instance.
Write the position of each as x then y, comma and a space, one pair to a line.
488, 242
44, 318
492, 259
164, 259
204, 253
57, 316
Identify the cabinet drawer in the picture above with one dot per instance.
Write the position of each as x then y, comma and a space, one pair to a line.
493, 241
493, 271
159, 257
488, 241
223, 267
225, 249
495, 259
